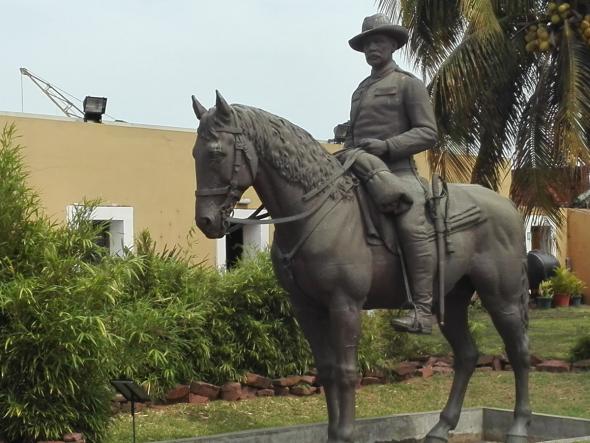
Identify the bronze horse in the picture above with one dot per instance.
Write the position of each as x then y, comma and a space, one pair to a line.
321, 256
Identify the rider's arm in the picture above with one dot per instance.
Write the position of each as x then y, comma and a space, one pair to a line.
422, 134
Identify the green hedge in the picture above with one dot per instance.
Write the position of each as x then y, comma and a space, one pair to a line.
55, 349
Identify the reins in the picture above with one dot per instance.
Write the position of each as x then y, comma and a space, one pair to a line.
258, 219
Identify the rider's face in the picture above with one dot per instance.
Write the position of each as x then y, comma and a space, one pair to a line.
378, 49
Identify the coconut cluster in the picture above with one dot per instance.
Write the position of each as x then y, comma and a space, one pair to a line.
545, 34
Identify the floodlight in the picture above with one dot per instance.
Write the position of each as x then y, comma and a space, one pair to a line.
94, 108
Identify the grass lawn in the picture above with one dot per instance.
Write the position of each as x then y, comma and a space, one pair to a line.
552, 333
562, 394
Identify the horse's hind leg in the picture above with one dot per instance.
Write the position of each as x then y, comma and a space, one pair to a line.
456, 331
510, 318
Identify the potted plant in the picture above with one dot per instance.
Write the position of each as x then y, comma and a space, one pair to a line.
545, 295
577, 288
564, 283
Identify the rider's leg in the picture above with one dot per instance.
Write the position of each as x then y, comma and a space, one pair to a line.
420, 258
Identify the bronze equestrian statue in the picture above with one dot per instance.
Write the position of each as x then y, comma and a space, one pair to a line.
327, 259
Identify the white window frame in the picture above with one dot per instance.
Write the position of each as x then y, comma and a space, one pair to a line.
256, 237
540, 220
120, 220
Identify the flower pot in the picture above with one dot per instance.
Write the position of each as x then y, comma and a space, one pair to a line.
577, 300
543, 303
561, 300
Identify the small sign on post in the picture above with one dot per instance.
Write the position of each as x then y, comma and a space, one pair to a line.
133, 393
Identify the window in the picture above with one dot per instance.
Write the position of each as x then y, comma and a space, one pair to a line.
118, 222
540, 235
248, 238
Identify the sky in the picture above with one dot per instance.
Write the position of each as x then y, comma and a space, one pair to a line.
147, 57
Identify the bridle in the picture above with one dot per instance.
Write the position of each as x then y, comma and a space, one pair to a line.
232, 191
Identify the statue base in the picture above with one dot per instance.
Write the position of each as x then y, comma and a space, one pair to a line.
475, 425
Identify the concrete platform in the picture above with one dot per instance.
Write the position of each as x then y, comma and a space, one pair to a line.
476, 425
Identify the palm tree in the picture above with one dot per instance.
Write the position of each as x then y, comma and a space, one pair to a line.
510, 83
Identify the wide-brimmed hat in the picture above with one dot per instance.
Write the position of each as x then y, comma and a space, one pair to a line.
379, 24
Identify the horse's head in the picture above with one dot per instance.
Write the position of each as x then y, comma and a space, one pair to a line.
225, 163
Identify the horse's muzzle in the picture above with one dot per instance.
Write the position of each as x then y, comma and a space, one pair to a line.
212, 227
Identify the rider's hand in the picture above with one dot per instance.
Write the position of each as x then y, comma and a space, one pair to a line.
373, 146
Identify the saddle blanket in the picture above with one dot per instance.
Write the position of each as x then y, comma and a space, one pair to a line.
460, 212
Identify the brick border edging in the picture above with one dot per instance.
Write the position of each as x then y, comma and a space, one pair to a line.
255, 385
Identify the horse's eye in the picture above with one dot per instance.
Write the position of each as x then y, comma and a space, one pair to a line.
215, 151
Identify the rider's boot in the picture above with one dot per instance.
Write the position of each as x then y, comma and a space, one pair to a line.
419, 258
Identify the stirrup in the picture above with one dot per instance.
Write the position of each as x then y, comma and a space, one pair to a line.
417, 327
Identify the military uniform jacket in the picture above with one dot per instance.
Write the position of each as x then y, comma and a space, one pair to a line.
395, 107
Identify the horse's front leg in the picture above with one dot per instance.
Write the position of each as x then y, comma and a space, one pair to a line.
314, 319
344, 336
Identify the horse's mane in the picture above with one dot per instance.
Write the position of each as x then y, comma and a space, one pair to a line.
296, 155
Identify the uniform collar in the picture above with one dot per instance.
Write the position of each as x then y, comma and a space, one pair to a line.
390, 67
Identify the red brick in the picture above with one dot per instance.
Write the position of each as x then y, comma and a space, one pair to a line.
281, 391
73, 436
302, 390
258, 381
430, 362
309, 379
178, 394
205, 389
445, 360
231, 391
406, 369
426, 371
497, 364
265, 393
289, 381
485, 360
554, 366
248, 392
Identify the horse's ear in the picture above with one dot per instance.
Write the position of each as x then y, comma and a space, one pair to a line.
223, 109
198, 108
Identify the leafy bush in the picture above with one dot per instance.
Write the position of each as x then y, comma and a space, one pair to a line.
253, 327
55, 350
160, 318
581, 350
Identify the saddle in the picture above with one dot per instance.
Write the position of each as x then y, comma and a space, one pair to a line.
459, 211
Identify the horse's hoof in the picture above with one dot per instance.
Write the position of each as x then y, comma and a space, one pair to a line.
435, 439
511, 438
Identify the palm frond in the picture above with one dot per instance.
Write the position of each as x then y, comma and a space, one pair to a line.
573, 116
481, 16
535, 184
451, 161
